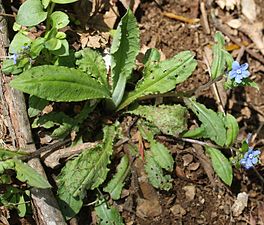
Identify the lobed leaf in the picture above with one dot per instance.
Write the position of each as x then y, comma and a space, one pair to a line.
213, 124
163, 77
221, 165
58, 83
170, 119
87, 171
31, 13
116, 184
124, 49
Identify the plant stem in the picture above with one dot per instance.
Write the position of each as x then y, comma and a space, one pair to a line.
50, 10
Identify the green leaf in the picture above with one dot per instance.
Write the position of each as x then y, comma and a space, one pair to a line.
218, 64
65, 124
57, 83
36, 47
108, 215
197, 132
170, 119
63, 50
64, 1
87, 171
160, 153
45, 3
53, 44
163, 77
155, 174
31, 13
25, 173
124, 49
116, 184
92, 63
59, 19
232, 129
8, 154
6, 165
19, 41
36, 105
21, 206
211, 121
221, 165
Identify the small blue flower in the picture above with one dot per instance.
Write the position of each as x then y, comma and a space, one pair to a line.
250, 158
14, 57
239, 72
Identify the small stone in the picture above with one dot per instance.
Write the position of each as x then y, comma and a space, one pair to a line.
240, 203
189, 192
177, 210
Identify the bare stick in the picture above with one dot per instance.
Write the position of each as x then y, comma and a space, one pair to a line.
205, 19
45, 208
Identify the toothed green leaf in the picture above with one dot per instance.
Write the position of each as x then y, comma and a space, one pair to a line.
87, 171
116, 184
162, 77
92, 63
124, 49
170, 119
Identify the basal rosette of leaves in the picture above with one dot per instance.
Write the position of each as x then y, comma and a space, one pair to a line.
46, 76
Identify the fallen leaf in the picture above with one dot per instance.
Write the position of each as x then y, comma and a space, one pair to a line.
187, 159
249, 9
234, 23
194, 166
254, 31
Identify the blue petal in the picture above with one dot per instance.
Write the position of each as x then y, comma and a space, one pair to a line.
256, 153
238, 79
243, 162
244, 66
235, 65
232, 74
254, 161
249, 164
245, 74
